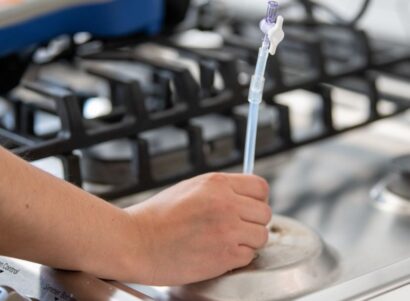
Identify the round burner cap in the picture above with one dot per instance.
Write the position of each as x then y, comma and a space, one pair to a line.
402, 165
294, 262
399, 183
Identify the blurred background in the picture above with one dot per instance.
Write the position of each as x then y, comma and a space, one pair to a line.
385, 18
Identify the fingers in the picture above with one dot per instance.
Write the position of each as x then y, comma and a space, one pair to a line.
243, 256
253, 235
253, 211
249, 185
249, 238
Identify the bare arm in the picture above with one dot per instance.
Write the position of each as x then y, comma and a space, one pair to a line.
196, 230
46, 220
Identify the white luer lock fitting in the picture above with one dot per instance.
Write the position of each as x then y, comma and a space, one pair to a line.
276, 35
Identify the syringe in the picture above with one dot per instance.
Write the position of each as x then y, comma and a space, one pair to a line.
271, 26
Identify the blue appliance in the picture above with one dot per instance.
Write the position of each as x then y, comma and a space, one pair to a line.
29, 22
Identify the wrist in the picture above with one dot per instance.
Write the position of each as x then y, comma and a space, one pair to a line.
121, 255
139, 253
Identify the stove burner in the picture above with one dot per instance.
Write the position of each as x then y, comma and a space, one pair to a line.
401, 184
111, 163
393, 194
169, 150
294, 262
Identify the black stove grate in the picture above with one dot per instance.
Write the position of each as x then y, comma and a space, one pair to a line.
332, 56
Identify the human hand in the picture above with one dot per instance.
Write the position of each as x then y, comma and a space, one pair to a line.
200, 228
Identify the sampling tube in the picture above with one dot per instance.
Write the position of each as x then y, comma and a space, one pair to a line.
256, 88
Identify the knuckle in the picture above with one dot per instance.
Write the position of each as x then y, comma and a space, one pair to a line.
225, 232
247, 257
215, 177
231, 250
264, 187
223, 202
266, 214
261, 236
221, 205
229, 253
229, 232
228, 206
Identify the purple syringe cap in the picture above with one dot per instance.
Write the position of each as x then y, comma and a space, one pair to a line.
272, 13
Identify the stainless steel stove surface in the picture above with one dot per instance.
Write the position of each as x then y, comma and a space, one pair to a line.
327, 187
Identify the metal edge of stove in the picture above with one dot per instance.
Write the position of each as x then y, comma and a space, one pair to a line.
33, 280
368, 286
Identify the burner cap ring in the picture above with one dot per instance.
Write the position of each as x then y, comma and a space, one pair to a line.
387, 200
294, 262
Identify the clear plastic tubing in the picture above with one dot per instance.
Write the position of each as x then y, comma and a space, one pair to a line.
256, 90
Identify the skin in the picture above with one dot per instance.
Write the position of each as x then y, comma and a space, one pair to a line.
196, 230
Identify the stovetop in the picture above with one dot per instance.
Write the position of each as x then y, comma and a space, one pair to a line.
132, 95
326, 186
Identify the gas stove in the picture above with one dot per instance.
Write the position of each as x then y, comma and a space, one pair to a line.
155, 110
329, 188
122, 118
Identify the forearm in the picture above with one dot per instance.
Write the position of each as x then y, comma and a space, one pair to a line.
47, 220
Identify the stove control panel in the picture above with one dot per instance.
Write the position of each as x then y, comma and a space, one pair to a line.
26, 281
8, 294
